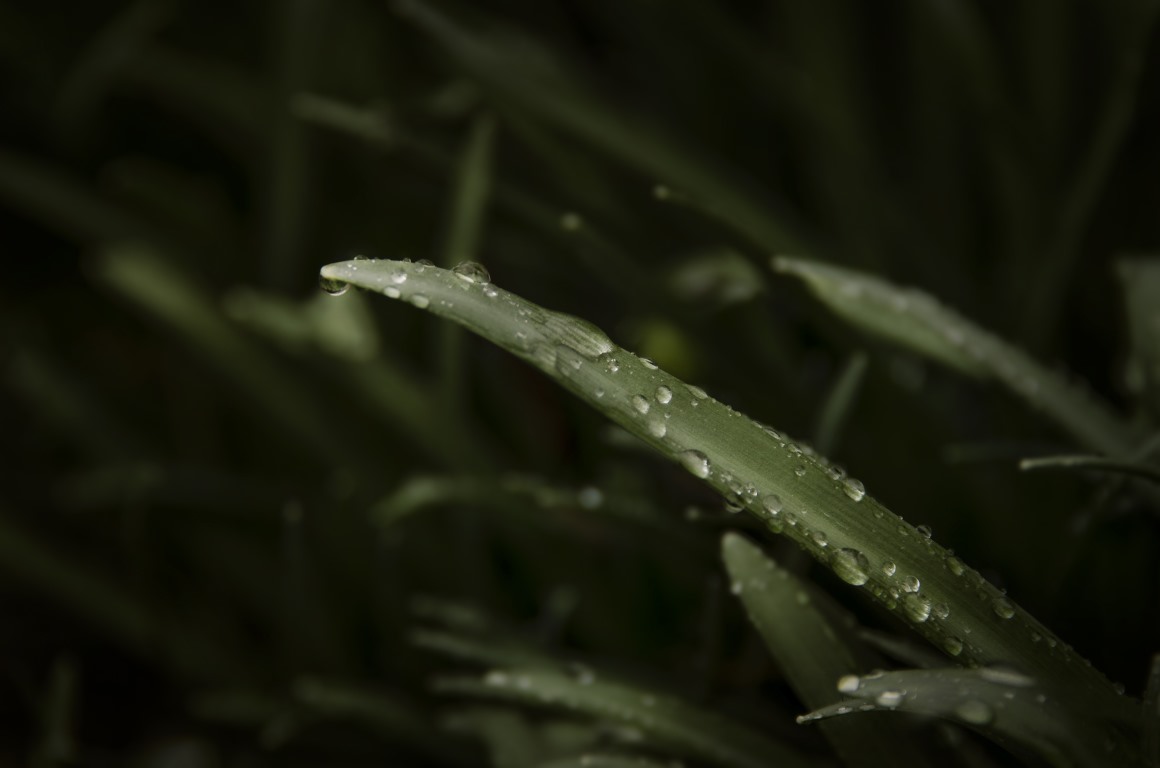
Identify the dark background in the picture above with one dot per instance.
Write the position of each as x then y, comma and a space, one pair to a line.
194, 439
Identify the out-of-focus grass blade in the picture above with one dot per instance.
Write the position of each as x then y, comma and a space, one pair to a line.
1007, 706
379, 711
507, 492
811, 653
492, 649
345, 331
511, 741
916, 320
540, 86
138, 273
1093, 463
1140, 279
789, 488
689, 730
1150, 733
598, 760
840, 402
58, 741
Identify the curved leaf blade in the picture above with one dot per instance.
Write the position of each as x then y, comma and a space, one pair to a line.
914, 319
787, 486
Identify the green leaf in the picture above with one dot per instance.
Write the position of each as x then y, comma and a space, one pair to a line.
684, 728
1093, 463
916, 320
811, 652
1008, 707
787, 486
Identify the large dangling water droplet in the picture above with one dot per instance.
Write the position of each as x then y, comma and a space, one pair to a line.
854, 488
851, 566
333, 287
696, 462
664, 395
472, 272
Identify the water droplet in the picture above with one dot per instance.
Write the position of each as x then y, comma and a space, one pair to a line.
924, 531
423, 263
851, 566
854, 488
391, 292
490, 292
568, 360
1003, 608
849, 684
791, 519
975, 712
889, 568
890, 699
333, 287
955, 566
640, 403
657, 426
1006, 676
398, 278
590, 497
819, 538
697, 392
649, 364
612, 365
772, 505
664, 395
696, 462
952, 645
420, 301
800, 470
582, 674
472, 272
571, 221
917, 607
736, 587
911, 584
940, 610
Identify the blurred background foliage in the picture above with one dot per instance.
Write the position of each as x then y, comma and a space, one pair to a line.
228, 499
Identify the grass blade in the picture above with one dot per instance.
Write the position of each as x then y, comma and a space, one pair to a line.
1096, 463
811, 654
840, 402
1140, 279
1006, 706
791, 489
916, 320
669, 721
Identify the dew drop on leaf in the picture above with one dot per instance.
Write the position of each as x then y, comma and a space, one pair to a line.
664, 395
952, 645
854, 488
771, 504
649, 364
849, 683
890, 699
851, 566
1003, 608
640, 403
420, 301
333, 287
472, 272
911, 584
917, 607
889, 568
696, 462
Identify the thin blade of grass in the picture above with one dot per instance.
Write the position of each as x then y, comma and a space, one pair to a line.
915, 320
691, 731
1140, 282
511, 741
789, 488
1094, 463
1007, 707
840, 402
811, 653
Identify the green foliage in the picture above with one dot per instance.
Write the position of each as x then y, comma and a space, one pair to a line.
247, 523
